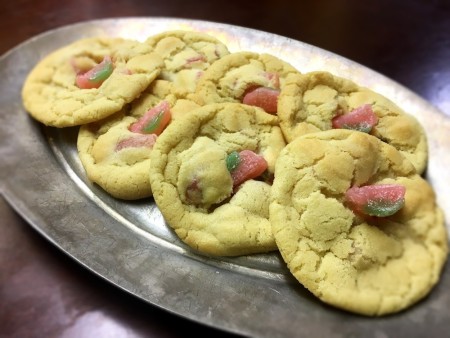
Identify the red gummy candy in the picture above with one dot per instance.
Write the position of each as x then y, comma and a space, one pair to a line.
263, 97
154, 120
250, 166
362, 118
376, 200
140, 140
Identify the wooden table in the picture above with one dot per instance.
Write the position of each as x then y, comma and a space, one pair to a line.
44, 293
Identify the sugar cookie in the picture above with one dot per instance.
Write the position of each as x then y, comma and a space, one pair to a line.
186, 55
365, 264
194, 173
314, 101
52, 92
237, 76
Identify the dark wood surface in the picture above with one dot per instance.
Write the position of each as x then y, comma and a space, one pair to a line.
44, 293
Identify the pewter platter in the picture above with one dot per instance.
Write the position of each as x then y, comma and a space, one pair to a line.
128, 243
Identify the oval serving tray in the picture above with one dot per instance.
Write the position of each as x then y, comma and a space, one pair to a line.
129, 244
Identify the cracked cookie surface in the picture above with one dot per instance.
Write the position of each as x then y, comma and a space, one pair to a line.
309, 102
118, 159
193, 187
367, 265
186, 56
228, 79
122, 172
50, 93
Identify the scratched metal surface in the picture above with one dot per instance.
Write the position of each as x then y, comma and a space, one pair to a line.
128, 243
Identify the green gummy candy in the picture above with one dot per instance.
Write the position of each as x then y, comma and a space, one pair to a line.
233, 160
383, 208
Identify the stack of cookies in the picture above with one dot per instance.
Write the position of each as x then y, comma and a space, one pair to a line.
243, 154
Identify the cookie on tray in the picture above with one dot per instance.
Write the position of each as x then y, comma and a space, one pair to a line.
211, 178
115, 152
88, 80
355, 223
186, 54
161, 90
244, 77
319, 101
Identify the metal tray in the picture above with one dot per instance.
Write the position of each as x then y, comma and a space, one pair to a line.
129, 244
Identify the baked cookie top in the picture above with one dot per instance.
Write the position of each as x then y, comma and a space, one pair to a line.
115, 152
370, 265
186, 55
88, 80
211, 174
237, 74
319, 101
115, 158
161, 90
